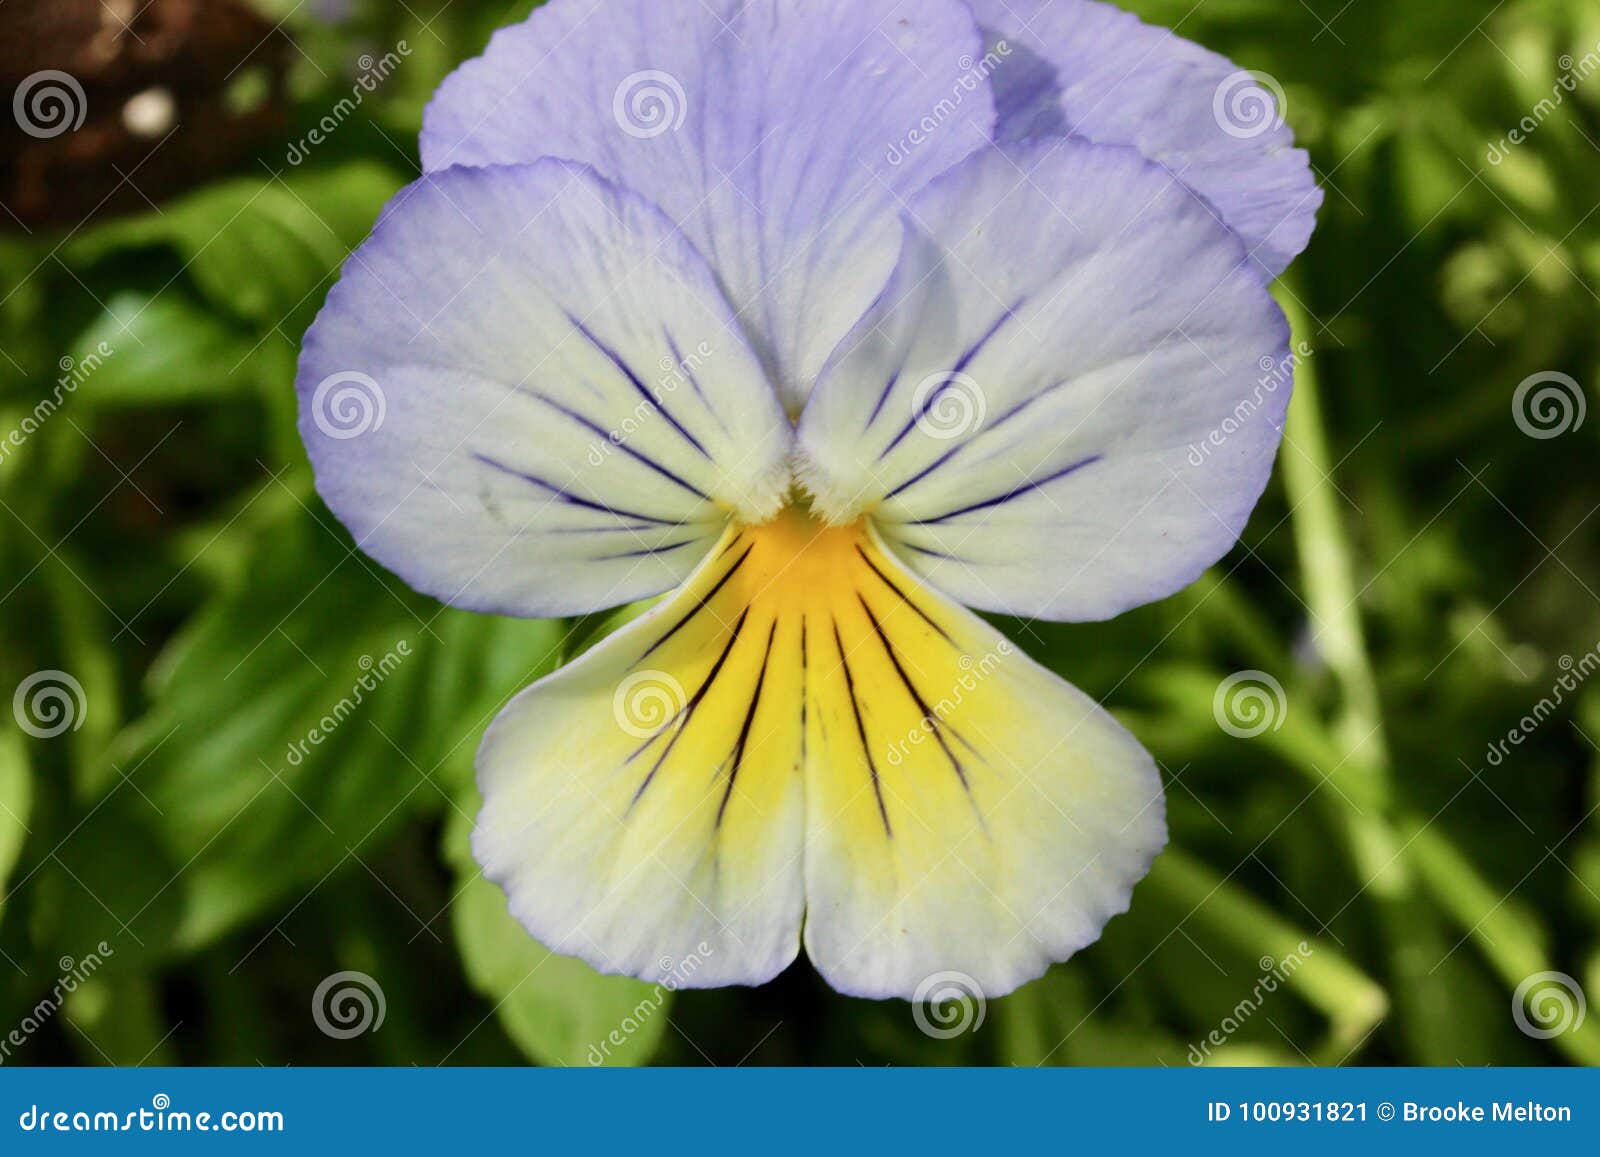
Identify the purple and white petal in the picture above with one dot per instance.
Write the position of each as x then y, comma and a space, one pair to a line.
780, 134
1088, 69
1058, 408
526, 395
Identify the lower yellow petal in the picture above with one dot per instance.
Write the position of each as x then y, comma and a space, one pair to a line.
967, 810
802, 731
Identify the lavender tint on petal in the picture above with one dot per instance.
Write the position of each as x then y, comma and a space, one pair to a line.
1088, 69
780, 135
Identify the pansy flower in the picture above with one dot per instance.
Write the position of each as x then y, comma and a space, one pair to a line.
826, 321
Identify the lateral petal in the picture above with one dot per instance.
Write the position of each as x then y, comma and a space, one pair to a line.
1068, 399
560, 412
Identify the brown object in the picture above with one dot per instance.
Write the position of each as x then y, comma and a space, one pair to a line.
111, 105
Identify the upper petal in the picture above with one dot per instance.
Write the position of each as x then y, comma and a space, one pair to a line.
779, 134
526, 395
1068, 399
1092, 70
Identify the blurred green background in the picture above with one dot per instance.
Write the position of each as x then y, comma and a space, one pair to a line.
1413, 581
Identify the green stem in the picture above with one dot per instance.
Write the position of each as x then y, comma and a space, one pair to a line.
1394, 851
1352, 1001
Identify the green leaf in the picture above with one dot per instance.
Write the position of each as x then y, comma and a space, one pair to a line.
16, 799
108, 891
160, 350
311, 706
119, 1021
1056, 1020
558, 1010
259, 247
1232, 924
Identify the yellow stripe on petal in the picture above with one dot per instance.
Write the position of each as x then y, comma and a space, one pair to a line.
803, 731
